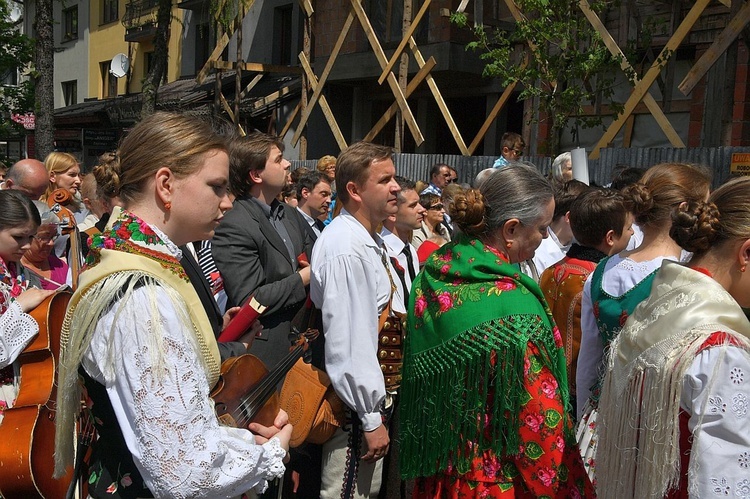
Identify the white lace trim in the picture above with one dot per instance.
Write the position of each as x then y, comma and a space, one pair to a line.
17, 329
166, 415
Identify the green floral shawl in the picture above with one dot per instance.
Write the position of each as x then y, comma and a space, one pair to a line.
471, 318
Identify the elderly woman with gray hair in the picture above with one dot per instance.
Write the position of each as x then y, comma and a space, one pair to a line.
484, 392
40, 259
562, 169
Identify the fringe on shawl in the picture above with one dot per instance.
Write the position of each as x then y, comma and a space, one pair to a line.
77, 333
454, 390
639, 448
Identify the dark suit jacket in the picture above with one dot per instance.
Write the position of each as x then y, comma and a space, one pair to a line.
310, 232
198, 280
253, 259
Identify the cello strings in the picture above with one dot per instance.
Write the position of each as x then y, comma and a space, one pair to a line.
249, 405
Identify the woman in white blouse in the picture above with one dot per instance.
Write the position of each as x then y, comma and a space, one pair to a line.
137, 334
19, 220
675, 399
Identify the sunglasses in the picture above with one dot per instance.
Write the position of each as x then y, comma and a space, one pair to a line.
436, 207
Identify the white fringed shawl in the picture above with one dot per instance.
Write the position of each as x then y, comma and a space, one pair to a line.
639, 449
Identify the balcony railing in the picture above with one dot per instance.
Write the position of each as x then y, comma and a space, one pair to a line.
138, 12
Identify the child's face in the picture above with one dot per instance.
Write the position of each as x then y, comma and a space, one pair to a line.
514, 153
621, 242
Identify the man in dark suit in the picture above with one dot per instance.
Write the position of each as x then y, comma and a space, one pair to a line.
198, 280
261, 247
313, 201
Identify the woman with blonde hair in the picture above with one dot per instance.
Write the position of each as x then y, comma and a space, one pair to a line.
139, 338
675, 397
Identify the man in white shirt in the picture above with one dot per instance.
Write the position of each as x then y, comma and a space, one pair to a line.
28, 176
396, 234
352, 283
313, 200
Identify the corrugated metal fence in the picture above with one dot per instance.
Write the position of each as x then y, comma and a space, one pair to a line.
717, 159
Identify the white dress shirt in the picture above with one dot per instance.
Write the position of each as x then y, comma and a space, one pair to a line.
395, 247
548, 253
310, 221
351, 287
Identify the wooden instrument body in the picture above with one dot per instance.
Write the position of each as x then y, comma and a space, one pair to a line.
246, 391
27, 431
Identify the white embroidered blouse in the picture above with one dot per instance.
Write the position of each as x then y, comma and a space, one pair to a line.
165, 414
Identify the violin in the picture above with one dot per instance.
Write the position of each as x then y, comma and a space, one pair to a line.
246, 390
28, 428
59, 201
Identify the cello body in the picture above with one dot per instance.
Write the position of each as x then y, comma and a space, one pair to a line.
27, 431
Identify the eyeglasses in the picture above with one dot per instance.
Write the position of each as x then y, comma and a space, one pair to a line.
453, 181
46, 239
518, 152
436, 207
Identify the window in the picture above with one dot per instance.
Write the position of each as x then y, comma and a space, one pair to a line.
70, 92
282, 35
387, 18
70, 24
109, 11
108, 81
202, 38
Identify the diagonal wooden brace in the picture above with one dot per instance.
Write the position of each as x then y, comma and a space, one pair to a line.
648, 99
404, 41
392, 82
323, 77
314, 84
648, 79
410, 88
722, 42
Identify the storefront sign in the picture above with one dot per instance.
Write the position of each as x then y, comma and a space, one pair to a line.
740, 164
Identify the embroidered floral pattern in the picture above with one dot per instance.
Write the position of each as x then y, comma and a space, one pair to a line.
130, 234
737, 376
739, 405
744, 460
743, 489
544, 466
716, 405
720, 486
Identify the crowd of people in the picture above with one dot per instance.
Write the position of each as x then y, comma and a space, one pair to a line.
522, 336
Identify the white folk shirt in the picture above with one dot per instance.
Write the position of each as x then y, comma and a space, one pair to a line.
351, 287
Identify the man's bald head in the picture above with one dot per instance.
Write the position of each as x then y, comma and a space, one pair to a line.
28, 176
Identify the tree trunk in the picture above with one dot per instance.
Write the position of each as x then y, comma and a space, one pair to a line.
44, 134
159, 65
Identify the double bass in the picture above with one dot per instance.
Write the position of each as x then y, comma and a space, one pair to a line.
27, 431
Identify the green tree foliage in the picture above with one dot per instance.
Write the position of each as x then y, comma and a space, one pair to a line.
16, 52
568, 64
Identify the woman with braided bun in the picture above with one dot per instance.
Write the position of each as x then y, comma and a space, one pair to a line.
675, 397
622, 281
138, 338
484, 391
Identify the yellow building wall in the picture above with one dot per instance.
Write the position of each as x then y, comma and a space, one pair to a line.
108, 40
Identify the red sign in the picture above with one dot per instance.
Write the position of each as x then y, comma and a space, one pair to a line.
27, 120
